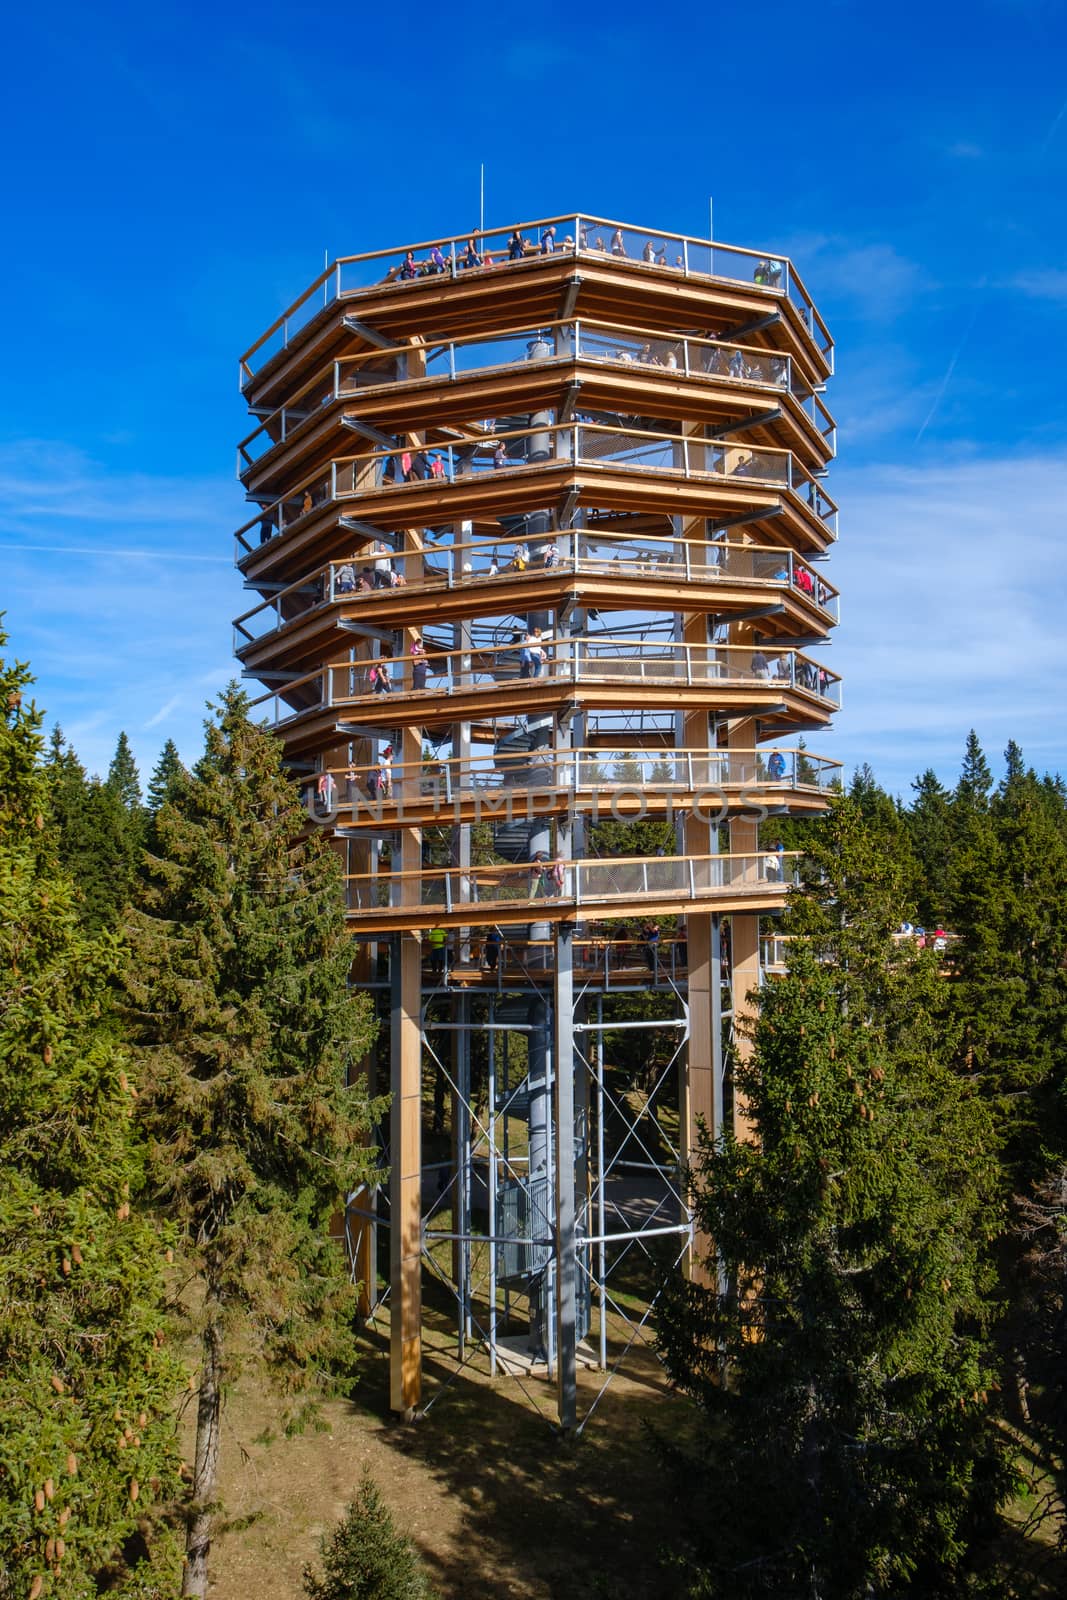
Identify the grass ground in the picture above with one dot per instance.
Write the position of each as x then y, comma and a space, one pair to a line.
498, 1505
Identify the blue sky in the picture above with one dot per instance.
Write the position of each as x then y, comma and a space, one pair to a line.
174, 178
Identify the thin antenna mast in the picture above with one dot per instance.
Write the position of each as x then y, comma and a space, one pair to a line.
481, 202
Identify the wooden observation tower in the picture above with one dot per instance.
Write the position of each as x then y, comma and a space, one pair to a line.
539, 543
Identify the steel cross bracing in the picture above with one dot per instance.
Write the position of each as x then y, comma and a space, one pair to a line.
629, 1193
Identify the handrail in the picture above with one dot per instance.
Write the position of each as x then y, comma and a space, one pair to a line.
716, 360
444, 779
785, 666
783, 279
585, 881
354, 476
680, 558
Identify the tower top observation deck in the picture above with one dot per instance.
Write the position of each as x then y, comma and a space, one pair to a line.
554, 245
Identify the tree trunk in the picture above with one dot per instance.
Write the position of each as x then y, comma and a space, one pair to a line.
205, 1472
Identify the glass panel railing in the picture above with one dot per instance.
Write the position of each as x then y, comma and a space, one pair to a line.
685, 878
625, 243
514, 556
591, 661
508, 781
581, 443
557, 341
810, 493
296, 699
282, 424
774, 953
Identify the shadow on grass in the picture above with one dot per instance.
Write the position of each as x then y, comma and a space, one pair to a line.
587, 1519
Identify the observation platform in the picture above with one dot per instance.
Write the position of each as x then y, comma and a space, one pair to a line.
604, 783
613, 573
587, 267
570, 367
607, 468
574, 891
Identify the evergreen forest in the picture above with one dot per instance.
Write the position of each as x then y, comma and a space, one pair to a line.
872, 1354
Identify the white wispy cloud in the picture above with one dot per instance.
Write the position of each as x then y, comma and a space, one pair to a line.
164, 712
871, 277
1041, 283
120, 632
952, 594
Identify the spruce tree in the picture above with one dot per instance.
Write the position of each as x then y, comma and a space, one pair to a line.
167, 770
123, 778
1009, 913
87, 1450
976, 780
97, 839
930, 827
366, 1557
839, 1360
246, 1028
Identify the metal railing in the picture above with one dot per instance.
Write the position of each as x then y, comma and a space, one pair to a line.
600, 661
577, 340
580, 772
573, 444
580, 883
503, 249
513, 559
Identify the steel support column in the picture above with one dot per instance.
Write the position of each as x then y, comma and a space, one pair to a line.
565, 1231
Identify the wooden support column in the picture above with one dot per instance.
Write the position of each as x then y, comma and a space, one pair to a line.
744, 937
362, 1231
405, 1322
701, 1087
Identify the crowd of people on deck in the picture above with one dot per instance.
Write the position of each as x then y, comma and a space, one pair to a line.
768, 271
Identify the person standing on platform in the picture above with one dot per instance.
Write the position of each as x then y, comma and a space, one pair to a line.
437, 938
420, 667
381, 565
385, 773
491, 949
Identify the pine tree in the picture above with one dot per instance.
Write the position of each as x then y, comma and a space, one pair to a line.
165, 774
976, 780
98, 843
841, 1368
1009, 911
246, 1028
87, 1454
123, 778
367, 1558
930, 827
